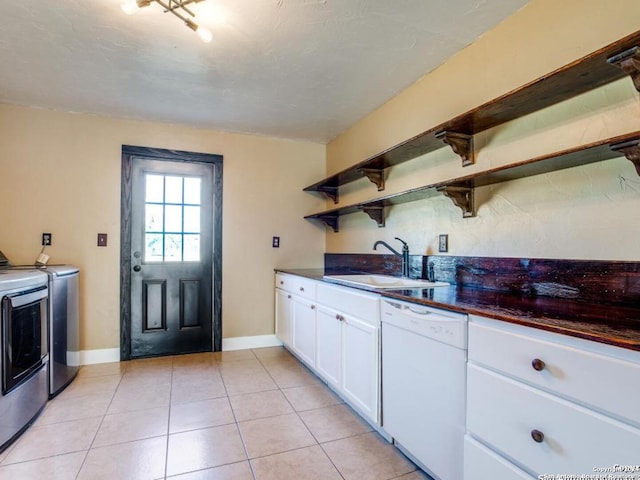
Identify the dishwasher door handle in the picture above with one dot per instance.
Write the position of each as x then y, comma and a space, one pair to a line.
428, 315
418, 311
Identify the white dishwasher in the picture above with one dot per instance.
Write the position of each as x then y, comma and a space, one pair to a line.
424, 355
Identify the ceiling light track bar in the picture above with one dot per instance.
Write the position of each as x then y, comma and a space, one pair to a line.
176, 7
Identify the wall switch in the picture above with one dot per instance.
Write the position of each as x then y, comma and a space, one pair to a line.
46, 239
443, 243
102, 239
275, 243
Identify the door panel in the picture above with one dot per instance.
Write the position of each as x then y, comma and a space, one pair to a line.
171, 252
154, 305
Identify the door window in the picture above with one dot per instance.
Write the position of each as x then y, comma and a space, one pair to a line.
172, 218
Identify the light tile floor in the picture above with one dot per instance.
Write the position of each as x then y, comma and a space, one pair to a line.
243, 415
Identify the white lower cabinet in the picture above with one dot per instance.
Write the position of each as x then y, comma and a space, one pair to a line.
284, 317
329, 345
529, 408
304, 329
347, 358
295, 315
347, 346
335, 330
361, 365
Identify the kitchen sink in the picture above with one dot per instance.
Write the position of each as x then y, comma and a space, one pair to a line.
384, 281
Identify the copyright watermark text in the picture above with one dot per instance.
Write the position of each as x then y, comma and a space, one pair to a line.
613, 472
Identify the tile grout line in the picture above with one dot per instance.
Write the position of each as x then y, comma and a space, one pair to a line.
301, 419
166, 453
84, 460
235, 419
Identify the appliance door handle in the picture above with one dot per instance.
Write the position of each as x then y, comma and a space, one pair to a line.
432, 316
23, 299
394, 305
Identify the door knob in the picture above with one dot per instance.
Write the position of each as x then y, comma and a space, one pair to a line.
137, 268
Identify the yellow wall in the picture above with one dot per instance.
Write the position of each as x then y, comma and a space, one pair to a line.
587, 212
60, 173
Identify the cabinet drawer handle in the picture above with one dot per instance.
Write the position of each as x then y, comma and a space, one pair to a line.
337, 317
288, 296
281, 282
537, 436
538, 364
302, 289
313, 307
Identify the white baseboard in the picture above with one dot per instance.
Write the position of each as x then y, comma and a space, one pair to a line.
242, 343
105, 355
108, 355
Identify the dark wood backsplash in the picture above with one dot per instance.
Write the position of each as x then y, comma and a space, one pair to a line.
611, 282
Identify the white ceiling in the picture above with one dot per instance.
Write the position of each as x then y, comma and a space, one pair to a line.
298, 69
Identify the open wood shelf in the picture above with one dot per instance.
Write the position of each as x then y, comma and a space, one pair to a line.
461, 190
591, 71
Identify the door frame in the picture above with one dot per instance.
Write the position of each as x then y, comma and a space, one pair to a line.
128, 154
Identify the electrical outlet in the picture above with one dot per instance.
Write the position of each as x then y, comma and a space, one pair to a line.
102, 239
443, 243
275, 242
46, 239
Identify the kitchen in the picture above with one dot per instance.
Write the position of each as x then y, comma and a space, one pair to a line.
584, 213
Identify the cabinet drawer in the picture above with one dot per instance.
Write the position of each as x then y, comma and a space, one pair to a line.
481, 463
365, 306
505, 413
303, 287
575, 371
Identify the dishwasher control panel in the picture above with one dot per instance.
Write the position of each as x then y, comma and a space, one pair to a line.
441, 325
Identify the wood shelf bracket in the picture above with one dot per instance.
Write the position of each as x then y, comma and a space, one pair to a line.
631, 150
375, 175
462, 197
629, 61
375, 212
330, 192
330, 221
461, 144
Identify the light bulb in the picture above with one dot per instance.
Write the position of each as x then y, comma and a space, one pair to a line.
130, 7
205, 34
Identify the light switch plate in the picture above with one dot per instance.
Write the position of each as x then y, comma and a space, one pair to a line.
443, 243
275, 242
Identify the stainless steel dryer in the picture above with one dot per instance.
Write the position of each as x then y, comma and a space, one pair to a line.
64, 326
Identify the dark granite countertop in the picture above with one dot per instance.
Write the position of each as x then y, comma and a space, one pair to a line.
610, 324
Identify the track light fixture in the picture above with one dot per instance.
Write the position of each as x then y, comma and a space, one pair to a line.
177, 7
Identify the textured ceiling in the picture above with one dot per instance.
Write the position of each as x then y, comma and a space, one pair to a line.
299, 69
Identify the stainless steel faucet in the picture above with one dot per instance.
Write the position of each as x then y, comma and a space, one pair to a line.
404, 254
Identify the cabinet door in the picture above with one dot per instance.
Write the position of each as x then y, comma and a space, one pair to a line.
360, 365
304, 329
284, 320
329, 345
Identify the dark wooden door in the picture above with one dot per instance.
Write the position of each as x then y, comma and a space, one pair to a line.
171, 257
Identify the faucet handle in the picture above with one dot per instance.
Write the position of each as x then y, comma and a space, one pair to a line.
404, 244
